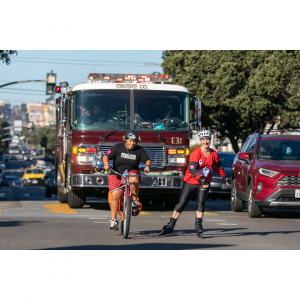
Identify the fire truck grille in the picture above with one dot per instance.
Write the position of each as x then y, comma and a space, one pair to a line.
156, 155
288, 181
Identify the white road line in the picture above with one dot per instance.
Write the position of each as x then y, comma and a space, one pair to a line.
2, 195
215, 220
226, 224
97, 218
102, 222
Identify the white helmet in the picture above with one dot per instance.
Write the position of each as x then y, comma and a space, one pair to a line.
204, 134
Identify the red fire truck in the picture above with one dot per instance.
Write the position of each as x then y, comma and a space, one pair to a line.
93, 116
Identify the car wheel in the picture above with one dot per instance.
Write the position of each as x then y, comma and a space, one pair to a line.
253, 210
236, 204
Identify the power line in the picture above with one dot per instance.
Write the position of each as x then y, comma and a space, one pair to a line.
103, 65
1, 91
23, 90
91, 60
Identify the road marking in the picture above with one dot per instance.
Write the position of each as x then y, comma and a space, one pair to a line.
215, 220
144, 213
2, 194
26, 195
210, 214
226, 224
60, 208
102, 222
97, 218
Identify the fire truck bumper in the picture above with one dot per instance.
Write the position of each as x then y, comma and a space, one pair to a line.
147, 182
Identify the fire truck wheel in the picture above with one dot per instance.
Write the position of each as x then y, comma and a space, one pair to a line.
76, 198
62, 198
171, 200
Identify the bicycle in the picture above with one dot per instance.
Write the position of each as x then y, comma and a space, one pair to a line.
125, 203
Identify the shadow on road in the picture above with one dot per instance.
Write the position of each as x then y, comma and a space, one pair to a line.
17, 223
150, 246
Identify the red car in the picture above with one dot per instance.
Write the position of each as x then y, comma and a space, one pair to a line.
266, 173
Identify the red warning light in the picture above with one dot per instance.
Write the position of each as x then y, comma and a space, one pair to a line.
57, 89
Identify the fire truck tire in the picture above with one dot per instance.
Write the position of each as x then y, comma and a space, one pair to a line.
171, 200
62, 198
76, 198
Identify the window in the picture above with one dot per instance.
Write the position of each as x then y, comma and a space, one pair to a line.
243, 149
251, 149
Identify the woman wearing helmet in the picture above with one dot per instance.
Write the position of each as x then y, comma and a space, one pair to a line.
128, 156
197, 180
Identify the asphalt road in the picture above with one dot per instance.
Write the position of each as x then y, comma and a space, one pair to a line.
28, 220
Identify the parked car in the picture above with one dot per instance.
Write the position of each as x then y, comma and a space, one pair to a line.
218, 186
50, 185
266, 173
33, 176
11, 181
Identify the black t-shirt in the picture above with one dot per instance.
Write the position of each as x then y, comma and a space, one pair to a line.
125, 158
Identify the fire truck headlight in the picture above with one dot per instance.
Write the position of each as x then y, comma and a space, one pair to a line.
180, 160
81, 158
172, 160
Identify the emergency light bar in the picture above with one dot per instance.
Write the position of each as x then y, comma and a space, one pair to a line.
130, 77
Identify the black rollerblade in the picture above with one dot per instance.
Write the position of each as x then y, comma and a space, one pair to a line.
199, 228
167, 229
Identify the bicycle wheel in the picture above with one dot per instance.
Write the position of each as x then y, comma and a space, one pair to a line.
127, 216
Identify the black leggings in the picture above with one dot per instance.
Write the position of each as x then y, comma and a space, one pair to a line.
186, 194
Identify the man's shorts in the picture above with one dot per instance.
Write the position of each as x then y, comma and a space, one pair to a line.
115, 181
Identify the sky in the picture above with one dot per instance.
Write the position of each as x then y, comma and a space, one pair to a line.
72, 66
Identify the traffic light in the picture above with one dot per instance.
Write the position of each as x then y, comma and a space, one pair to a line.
51, 83
44, 141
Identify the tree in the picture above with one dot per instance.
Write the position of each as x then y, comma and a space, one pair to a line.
37, 136
5, 55
240, 90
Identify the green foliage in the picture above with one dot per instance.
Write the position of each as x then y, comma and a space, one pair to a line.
4, 55
240, 90
49, 132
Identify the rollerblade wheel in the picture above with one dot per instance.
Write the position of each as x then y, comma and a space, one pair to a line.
200, 235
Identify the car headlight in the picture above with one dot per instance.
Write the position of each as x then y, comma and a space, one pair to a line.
268, 173
26, 178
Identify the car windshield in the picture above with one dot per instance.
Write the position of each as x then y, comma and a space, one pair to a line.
226, 159
34, 172
279, 150
159, 110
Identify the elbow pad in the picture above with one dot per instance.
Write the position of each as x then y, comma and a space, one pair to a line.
219, 165
194, 168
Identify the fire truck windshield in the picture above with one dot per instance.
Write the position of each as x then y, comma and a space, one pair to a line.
100, 109
161, 110
158, 110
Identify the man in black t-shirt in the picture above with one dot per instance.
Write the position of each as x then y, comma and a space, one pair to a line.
126, 156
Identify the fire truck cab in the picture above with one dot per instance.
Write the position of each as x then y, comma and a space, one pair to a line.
93, 116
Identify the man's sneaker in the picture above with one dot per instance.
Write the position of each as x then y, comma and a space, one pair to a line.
136, 207
114, 225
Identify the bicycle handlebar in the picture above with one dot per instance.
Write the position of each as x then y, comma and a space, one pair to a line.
135, 175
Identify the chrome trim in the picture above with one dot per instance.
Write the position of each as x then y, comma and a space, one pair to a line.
285, 203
